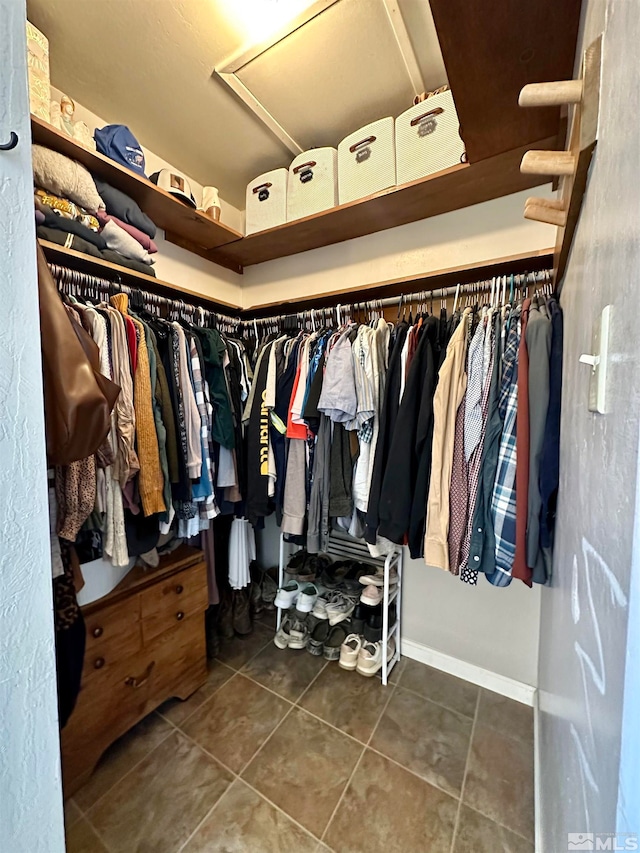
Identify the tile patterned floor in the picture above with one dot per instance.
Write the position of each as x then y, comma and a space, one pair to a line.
283, 753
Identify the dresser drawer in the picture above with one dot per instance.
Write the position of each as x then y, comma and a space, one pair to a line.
170, 602
113, 633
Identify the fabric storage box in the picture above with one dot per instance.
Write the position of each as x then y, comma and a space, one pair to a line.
39, 81
367, 161
266, 204
428, 138
313, 183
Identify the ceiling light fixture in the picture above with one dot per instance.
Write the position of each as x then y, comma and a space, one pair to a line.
260, 19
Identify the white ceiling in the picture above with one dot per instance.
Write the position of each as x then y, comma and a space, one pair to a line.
149, 63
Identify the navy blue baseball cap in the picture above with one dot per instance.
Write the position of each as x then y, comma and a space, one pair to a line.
118, 143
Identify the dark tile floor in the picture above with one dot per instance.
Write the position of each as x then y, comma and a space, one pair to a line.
283, 752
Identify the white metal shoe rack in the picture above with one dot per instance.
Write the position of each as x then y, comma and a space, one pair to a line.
345, 547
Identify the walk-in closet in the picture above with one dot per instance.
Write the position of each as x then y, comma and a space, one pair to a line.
319, 426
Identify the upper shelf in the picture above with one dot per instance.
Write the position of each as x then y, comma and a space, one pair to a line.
168, 213
451, 189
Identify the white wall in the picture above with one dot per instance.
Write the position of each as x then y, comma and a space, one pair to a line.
30, 786
472, 235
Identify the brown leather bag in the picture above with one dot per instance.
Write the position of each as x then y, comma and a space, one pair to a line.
78, 399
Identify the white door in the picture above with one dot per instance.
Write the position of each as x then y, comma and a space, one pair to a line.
30, 789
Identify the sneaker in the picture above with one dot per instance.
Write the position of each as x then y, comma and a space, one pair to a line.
378, 578
372, 595
298, 634
333, 643
341, 608
281, 639
317, 638
306, 598
320, 607
349, 651
370, 657
287, 595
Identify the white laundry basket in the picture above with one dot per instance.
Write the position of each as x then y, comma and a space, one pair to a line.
428, 138
266, 204
313, 183
367, 161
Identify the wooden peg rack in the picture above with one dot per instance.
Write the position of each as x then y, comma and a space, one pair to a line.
571, 167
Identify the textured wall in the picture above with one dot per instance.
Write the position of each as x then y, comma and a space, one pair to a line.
30, 793
584, 613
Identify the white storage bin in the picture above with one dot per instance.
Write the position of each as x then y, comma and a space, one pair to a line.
313, 183
266, 204
428, 138
367, 161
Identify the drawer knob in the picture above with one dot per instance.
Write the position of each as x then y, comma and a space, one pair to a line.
179, 615
98, 663
97, 632
179, 589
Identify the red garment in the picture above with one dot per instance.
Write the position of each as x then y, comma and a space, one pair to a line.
132, 340
295, 430
520, 568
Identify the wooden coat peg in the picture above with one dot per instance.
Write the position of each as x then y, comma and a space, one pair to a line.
571, 165
545, 210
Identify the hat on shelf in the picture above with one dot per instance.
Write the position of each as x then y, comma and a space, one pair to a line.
175, 184
118, 143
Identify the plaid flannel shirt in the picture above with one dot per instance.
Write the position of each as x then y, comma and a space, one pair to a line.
503, 502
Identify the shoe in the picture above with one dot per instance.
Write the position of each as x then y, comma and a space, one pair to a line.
317, 638
359, 617
373, 626
378, 578
282, 636
370, 657
331, 649
372, 595
224, 623
298, 634
320, 607
287, 595
349, 652
307, 598
341, 608
296, 563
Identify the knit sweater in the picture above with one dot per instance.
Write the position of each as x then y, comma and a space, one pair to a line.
151, 482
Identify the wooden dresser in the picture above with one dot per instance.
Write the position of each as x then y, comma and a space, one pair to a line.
145, 644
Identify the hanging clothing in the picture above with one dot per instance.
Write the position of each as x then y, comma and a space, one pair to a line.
520, 569
448, 396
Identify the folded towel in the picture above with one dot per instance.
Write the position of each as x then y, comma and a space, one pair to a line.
118, 240
145, 241
119, 204
64, 177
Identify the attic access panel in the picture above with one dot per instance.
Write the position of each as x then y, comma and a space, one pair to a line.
341, 65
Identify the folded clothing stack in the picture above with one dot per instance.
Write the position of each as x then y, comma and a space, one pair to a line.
78, 212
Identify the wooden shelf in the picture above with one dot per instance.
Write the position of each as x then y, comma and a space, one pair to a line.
195, 230
97, 266
434, 280
451, 189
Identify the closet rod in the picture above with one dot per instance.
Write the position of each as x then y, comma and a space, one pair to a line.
78, 283
498, 283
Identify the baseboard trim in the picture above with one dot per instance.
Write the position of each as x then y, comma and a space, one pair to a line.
537, 775
517, 690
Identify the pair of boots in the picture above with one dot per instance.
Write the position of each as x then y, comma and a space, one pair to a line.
229, 618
